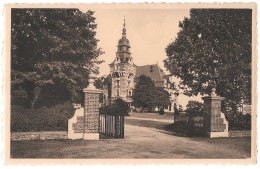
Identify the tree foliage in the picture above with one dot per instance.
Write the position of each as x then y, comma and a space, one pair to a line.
213, 48
54, 118
52, 47
118, 107
146, 95
162, 97
194, 108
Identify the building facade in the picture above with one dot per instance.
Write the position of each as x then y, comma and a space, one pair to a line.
124, 73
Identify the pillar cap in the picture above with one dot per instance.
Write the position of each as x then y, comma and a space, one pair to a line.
91, 88
213, 96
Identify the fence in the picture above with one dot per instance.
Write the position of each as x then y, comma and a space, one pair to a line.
112, 125
188, 125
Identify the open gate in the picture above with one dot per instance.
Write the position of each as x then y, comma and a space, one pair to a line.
112, 125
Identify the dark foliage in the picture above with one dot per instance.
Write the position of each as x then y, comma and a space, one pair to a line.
213, 48
194, 108
237, 121
161, 112
147, 96
52, 47
118, 107
44, 119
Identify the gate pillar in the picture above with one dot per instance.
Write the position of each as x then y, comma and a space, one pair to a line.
91, 111
216, 124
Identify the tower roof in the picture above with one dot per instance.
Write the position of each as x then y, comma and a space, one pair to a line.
124, 41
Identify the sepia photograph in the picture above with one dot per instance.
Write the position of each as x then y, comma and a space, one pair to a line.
144, 81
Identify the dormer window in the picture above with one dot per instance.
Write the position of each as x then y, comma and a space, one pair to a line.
151, 68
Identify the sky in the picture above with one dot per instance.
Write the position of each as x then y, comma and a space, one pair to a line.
148, 30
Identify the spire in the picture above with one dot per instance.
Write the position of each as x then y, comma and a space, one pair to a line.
124, 30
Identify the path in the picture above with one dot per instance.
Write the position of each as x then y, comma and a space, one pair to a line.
150, 119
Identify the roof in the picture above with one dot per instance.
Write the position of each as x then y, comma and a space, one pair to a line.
123, 41
152, 71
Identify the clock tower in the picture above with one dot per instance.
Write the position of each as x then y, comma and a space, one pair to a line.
123, 70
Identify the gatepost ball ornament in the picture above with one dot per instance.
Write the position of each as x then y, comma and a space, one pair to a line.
91, 81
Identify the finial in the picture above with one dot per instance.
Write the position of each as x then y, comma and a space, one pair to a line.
213, 92
91, 81
124, 22
124, 30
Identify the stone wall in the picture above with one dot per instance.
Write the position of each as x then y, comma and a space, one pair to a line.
41, 135
75, 124
56, 135
244, 133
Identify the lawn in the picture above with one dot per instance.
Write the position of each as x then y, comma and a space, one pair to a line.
152, 116
143, 139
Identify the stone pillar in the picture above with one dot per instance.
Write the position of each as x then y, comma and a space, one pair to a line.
91, 111
215, 121
172, 106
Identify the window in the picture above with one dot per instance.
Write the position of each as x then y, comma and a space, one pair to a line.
129, 93
117, 83
128, 83
117, 92
126, 48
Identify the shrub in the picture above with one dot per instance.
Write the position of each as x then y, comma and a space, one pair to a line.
19, 97
194, 108
161, 111
21, 118
119, 107
54, 118
237, 121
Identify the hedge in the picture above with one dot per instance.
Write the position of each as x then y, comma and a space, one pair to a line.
53, 118
119, 107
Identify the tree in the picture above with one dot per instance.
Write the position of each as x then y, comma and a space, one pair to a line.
146, 95
52, 47
213, 49
162, 97
118, 107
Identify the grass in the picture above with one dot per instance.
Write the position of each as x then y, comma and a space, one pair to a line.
151, 116
143, 139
